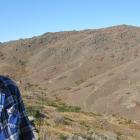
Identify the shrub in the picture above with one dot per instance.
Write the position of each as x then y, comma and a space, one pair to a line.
66, 108
62, 137
62, 107
34, 111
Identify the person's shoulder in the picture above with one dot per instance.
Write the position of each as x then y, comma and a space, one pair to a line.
3, 77
7, 80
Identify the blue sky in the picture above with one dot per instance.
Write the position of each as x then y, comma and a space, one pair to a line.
27, 18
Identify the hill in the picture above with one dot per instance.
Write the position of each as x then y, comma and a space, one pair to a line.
97, 70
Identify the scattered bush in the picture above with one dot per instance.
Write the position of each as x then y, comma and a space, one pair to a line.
34, 111
66, 108
78, 82
62, 107
62, 137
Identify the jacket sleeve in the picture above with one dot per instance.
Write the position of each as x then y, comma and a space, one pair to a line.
26, 132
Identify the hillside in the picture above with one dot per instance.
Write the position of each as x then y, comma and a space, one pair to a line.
97, 70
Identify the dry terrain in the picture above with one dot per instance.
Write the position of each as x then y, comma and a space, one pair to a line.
89, 71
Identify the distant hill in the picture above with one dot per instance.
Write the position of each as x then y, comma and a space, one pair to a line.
98, 70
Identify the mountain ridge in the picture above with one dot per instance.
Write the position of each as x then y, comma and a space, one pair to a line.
74, 30
78, 66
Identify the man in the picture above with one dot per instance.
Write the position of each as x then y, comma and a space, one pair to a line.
14, 123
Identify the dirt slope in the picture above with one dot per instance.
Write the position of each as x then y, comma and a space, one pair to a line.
98, 70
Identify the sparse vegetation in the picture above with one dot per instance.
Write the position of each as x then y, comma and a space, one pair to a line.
63, 137
65, 108
78, 82
92, 67
63, 121
34, 111
62, 107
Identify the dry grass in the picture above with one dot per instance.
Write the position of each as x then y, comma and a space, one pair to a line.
55, 124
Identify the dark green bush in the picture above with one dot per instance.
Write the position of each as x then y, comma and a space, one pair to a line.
62, 107
65, 108
62, 137
34, 111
